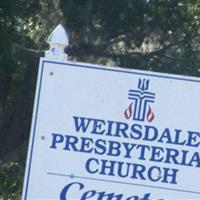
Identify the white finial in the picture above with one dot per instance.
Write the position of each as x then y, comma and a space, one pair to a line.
57, 40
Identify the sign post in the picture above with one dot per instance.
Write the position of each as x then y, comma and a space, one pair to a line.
100, 132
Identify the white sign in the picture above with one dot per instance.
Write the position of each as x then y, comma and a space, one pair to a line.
105, 133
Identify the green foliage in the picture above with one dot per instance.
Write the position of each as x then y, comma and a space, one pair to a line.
23, 23
11, 176
124, 27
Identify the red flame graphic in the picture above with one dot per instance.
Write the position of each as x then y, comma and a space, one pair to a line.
150, 115
128, 112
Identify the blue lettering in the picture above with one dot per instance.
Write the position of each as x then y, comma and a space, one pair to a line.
155, 154
85, 145
153, 176
64, 191
138, 170
192, 139
93, 194
92, 163
114, 148
171, 154
151, 133
136, 131
57, 138
110, 125
108, 166
165, 135
88, 194
121, 129
169, 173
70, 141
146, 197
128, 147
109, 196
97, 127
100, 147
142, 151
196, 159
121, 169
81, 123
177, 137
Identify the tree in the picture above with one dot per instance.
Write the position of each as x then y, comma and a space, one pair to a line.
157, 35
153, 35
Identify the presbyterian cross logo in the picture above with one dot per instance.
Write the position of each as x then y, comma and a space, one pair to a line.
141, 99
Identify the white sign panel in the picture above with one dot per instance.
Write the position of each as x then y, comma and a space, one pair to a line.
103, 133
